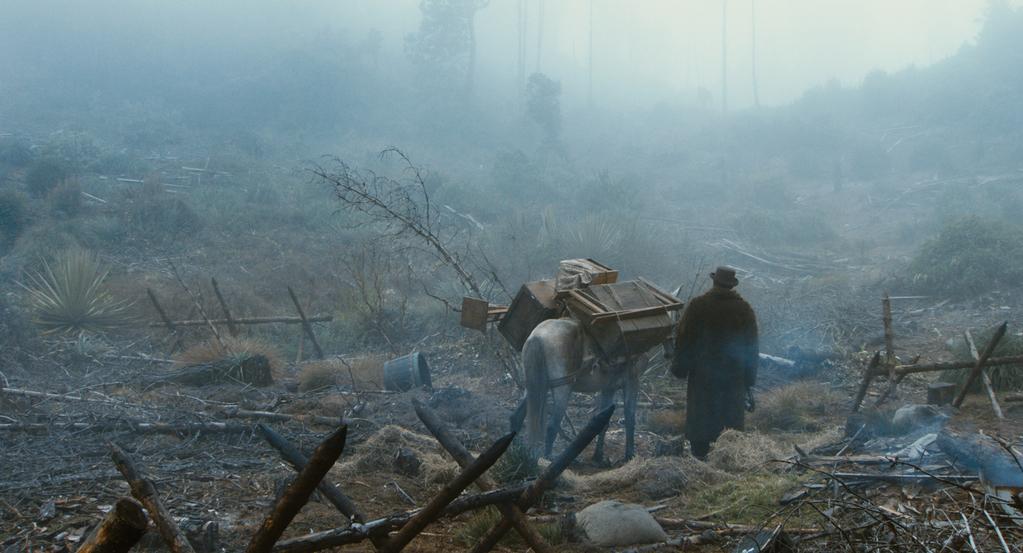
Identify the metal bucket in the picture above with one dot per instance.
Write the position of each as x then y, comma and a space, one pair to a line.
408, 372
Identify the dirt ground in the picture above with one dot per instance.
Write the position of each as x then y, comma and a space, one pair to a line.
59, 481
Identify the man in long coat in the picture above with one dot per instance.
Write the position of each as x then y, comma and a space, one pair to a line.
716, 348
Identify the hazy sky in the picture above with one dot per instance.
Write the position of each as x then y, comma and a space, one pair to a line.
644, 50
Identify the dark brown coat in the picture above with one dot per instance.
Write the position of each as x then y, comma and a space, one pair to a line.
716, 348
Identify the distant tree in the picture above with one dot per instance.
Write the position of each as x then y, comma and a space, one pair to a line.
543, 105
444, 46
724, 55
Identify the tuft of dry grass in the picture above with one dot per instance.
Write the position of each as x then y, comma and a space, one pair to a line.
436, 468
741, 452
211, 351
796, 407
653, 478
360, 372
667, 422
746, 500
483, 520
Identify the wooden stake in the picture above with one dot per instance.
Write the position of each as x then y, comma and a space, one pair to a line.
984, 377
868, 376
484, 482
535, 491
979, 367
297, 494
119, 531
166, 321
305, 324
223, 305
298, 461
144, 491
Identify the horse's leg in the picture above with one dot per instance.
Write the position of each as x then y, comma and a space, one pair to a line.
605, 398
560, 397
631, 402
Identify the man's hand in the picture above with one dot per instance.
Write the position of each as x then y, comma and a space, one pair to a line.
751, 404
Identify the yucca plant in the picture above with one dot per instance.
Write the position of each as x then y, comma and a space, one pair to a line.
69, 296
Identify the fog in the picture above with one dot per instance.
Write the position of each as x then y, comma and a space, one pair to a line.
277, 211
657, 51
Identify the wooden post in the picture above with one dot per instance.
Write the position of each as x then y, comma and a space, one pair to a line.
223, 305
298, 461
979, 367
868, 376
305, 324
484, 482
535, 491
983, 375
435, 507
119, 531
166, 321
889, 335
143, 490
298, 492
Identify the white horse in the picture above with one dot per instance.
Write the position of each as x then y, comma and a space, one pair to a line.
559, 358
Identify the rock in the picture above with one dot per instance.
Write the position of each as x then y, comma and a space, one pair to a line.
612, 523
407, 462
913, 417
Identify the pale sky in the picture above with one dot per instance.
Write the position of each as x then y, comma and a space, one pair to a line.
645, 51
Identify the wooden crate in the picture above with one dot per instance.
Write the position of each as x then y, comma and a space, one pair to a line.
625, 318
595, 273
536, 302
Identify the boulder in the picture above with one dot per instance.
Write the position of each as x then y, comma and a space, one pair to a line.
612, 523
913, 417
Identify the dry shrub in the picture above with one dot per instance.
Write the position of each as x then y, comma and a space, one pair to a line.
796, 407
655, 477
211, 351
738, 452
483, 521
367, 372
316, 376
669, 422
382, 445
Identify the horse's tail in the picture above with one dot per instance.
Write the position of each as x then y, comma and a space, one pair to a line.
534, 364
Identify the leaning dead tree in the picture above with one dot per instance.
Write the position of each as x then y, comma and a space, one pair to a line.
401, 207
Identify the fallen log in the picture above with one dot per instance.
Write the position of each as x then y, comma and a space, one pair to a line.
298, 461
56, 397
382, 526
119, 531
462, 456
145, 492
975, 451
233, 411
254, 370
129, 426
297, 494
249, 321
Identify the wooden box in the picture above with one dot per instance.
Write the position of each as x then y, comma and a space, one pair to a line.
475, 313
535, 303
576, 273
625, 318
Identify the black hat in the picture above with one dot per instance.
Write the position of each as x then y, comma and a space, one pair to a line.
725, 276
